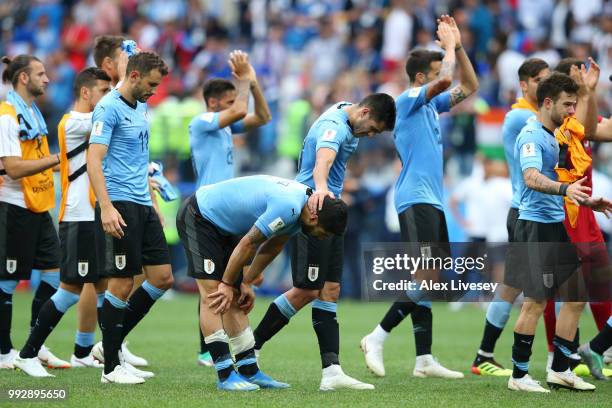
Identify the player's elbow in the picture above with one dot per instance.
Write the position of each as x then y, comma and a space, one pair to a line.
470, 87
13, 171
239, 112
266, 117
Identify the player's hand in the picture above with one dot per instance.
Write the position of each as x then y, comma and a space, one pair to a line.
446, 38
220, 301
315, 201
247, 298
599, 204
122, 63
445, 18
590, 77
239, 63
578, 193
112, 221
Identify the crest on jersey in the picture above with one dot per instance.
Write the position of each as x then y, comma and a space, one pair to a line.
11, 265
83, 268
313, 273
97, 128
528, 150
548, 279
329, 135
209, 266
414, 92
120, 262
277, 224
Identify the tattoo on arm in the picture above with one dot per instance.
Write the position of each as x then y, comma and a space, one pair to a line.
539, 182
255, 236
457, 95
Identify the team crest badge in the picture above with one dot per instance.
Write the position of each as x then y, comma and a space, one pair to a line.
120, 262
83, 268
209, 266
11, 265
548, 280
313, 273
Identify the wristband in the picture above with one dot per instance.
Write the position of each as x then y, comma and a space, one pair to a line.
225, 283
458, 48
563, 189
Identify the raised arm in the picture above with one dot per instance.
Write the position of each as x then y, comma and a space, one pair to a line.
446, 40
262, 114
239, 63
586, 108
468, 81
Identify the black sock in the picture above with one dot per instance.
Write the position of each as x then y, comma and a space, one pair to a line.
562, 350
203, 346
6, 316
81, 352
42, 294
138, 306
396, 314
603, 340
573, 362
521, 351
489, 337
99, 310
247, 363
47, 319
421, 326
112, 328
220, 353
328, 333
272, 322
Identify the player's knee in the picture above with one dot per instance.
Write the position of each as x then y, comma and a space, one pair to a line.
163, 282
574, 307
330, 292
533, 309
301, 297
509, 294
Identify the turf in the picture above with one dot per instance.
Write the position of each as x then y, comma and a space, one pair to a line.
168, 339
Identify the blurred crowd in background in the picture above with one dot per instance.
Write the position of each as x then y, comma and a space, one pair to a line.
309, 54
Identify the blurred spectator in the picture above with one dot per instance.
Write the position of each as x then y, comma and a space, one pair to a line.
323, 55
397, 35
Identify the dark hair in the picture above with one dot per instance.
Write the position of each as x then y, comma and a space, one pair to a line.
106, 46
531, 68
145, 62
215, 88
420, 61
553, 85
333, 215
16, 66
382, 108
87, 78
565, 65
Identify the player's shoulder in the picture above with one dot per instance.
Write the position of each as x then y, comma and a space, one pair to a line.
203, 118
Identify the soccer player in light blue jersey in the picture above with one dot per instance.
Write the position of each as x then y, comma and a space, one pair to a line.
530, 73
548, 269
316, 265
222, 227
419, 189
129, 235
210, 134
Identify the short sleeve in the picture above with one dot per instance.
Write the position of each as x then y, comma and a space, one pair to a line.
205, 122
9, 137
530, 153
442, 102
238, 127
104, 121
331, 135
411, 100
279, 217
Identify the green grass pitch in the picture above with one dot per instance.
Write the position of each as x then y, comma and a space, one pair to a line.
167, 337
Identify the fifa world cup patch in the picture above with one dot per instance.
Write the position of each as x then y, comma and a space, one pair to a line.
329, 135
97, 128
83, 268
528, 150
209, 266
277, 224
120, 262
11, 265
207, 117
414, 92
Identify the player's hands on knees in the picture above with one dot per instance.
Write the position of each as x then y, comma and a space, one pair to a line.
112, 221
220, 301
246, 301
578, 193
239, 63
315, 202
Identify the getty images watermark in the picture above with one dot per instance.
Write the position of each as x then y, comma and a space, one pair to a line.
475, 271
